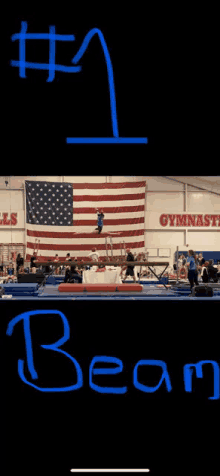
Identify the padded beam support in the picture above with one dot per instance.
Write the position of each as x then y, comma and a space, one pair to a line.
74, 287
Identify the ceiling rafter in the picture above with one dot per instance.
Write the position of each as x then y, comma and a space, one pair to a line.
187, 182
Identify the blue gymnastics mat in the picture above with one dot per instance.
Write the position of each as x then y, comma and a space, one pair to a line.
50, 292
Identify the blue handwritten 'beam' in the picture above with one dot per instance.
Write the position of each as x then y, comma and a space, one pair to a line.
25, 317
51, 67
188, 372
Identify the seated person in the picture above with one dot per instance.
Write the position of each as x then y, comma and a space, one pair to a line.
101, 266
200, 264
22, 270
10, 271
33, 262
180, 261
19, 263
58, 268
144, 272
212, 272
204, 272
71, 274
45, 269
183, 260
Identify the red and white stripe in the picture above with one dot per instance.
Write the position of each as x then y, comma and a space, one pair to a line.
123, 205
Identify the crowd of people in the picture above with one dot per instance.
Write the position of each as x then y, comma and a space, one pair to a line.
196, 269
193, 267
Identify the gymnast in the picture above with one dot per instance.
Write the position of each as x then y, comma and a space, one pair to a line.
100, 216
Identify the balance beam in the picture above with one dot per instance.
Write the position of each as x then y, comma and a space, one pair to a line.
102, 263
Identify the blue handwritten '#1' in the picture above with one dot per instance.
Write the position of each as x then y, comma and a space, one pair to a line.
22, 64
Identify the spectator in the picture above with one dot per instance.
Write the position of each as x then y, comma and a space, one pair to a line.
204, 272
183, 260
33, 262
22, 270
46, 268
94, 255
192, 271
143, 270
19, 262
180, 261
201, 262
71, 273
196, 256
56, 260
201, 259
130, 268
212, 272
182, 271
139, 258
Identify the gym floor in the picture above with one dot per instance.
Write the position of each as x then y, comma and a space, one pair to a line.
150, 292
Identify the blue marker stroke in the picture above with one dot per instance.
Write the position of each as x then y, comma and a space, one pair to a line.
51, 66
106, 371
104, 140
55, 347
188, 372
52, 53
78, 57
52, 37
165, 376
107, 140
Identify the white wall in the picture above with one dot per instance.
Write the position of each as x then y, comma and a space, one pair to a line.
164, 239
158, 239
12, 236
172, 202
206, 239
162, 184
199, 201
11, 199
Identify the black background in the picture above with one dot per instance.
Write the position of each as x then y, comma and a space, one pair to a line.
169, 433
164, 74
41, 115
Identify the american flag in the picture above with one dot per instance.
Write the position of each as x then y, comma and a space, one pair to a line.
61, 218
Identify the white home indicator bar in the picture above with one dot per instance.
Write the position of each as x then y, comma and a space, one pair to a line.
110, 470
